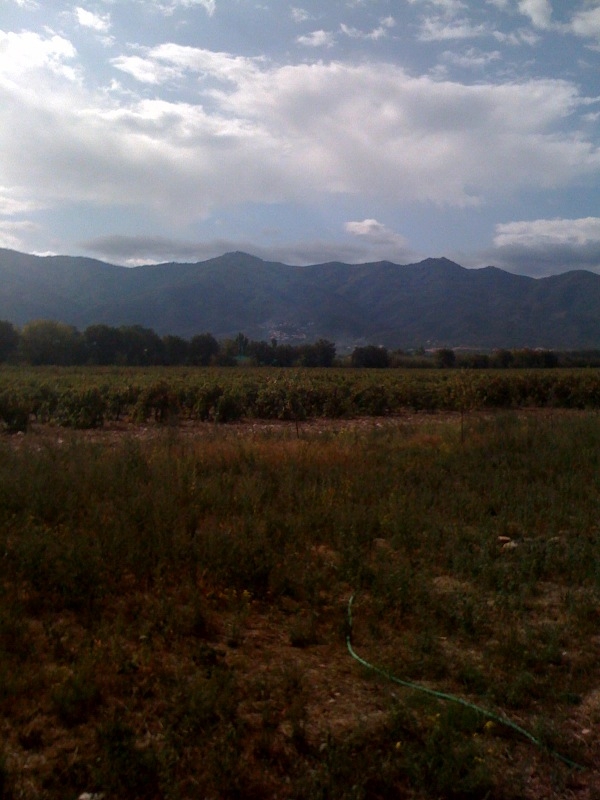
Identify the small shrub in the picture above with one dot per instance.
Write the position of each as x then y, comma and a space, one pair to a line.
125, 768
303, 631
6, 789
204, 702
14, 412
65, 568
81, 408
159, 402
76, 698
229, 407
205, 403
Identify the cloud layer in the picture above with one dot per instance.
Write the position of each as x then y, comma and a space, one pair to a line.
177, 130
265, 132
135, 250
548, 246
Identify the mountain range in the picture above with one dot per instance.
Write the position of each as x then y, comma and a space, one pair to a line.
433, 303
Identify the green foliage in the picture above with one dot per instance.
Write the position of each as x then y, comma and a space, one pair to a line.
230, 406
202, 703
104, 344
447, 755
6, 792
86, 398
445, 357
9, 340
370, 356
126, 768
77, 698
203, 349
83, 408
158, 402
49, 342
69, 571
14, 411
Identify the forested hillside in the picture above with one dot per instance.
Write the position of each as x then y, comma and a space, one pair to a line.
435, 303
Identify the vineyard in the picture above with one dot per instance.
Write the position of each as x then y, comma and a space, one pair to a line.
92, 397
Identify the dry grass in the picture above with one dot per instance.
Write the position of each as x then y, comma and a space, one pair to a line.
173, 609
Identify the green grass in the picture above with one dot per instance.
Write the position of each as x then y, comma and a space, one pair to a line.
176, 606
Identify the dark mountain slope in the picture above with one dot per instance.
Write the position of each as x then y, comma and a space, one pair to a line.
435, 302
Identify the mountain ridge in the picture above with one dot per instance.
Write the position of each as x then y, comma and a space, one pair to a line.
435, 302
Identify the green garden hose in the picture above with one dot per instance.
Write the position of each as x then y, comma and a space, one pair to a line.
451, 698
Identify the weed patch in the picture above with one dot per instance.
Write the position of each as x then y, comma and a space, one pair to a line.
175, 601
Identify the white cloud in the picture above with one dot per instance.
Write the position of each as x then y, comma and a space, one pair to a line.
548, 246
381, 240
97, 22
542, 232
170, 6
377, 33
517, 37
209, 5
448, 7
435, 29
13, 234
11, 204
146, 70
263, 133
471, 58
353, 33
374, 230
27, 52
538, 11
300, 15
317, 39
587, 23
169, 61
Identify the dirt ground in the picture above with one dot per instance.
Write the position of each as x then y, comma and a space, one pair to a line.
337, 694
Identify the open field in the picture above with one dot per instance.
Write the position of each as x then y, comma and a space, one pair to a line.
173, 608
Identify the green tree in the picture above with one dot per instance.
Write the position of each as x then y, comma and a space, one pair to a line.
141, 346
284, 355
502, 358
45, 341
176, 350
261, 353
445, 357
370, 356
203, 349
9, 340
103, 343
319, 354
242, 344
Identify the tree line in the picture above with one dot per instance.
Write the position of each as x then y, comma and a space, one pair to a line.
48, 342
372, 356
43, 342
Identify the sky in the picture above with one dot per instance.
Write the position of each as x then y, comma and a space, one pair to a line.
150, 131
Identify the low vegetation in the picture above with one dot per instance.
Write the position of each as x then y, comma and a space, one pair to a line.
88, 397
173, 607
